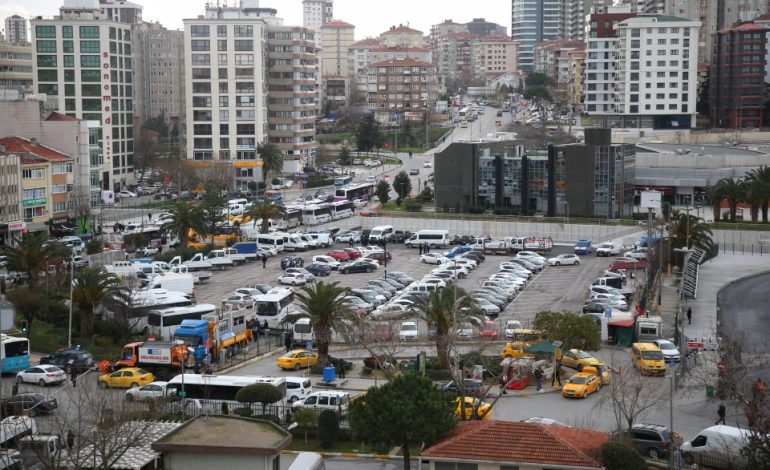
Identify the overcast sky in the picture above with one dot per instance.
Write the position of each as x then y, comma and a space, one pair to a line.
370, 17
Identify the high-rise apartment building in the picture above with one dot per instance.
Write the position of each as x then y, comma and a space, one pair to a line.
535, 21
159, 68
401, 90
293, 102
737, 76
493, 55
85, 63
15, 29
225, 80
316, 13
704, 11
336, 38
655, 82
481, 27
16, 65
730, 12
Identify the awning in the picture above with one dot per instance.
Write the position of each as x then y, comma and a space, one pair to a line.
543, 347
623, 323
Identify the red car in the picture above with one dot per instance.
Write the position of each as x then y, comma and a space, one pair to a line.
489, 330
383, 332
352, 253
380, 256
628, 263
339, 255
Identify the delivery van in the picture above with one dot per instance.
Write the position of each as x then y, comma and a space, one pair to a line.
648, 358
174, 282
717, 447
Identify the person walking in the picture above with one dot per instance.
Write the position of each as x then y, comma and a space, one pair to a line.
287, 342
149, 217
420, 248
74, 376
689, 315
503, 383
721, 413
556, 375
70, 439
538, 378
352, 244
264, 261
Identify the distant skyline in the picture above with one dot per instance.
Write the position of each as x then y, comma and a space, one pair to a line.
368, 16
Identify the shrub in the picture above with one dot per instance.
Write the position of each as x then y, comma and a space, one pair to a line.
621, 456
414, 207
244, 412
262, 393
328, 428
306, 419
375, 362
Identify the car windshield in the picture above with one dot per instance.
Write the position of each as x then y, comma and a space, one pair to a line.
652, 355
667, 346
582, 355
411, 327
578, 380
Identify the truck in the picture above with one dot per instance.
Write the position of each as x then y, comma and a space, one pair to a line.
164, 359
214, 261
608, 249
223, 332
583, 247
42, 451
239, 258
648, 328
615, 282
198, 276
538, 244
195, 263
502, 246
13, 428
219, 258
248, 249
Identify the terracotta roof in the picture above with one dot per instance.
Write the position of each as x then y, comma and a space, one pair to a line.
401, 63
744, 27
23, 146
402, 29
366, 42
337, 24
402, 49
510, 442
763, 17
54, 116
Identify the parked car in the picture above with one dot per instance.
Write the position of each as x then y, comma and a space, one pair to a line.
69, 359
489, 330
30, 403
470, 388
408, 331
669, 349
353, 254
294, 279
383, 332
339, 255
565, 259
291, 261
358, 266
319, 269
433, 258
150, 392
651, 440
577, 359
127, 194
308, 275
42, 375
297, 359
379, 256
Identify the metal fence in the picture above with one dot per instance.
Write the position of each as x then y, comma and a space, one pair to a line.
262, 344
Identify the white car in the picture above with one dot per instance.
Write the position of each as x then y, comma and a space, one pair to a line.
669, 349
564, 259
347, 237
360, 203
639, 253
42, 375
327, 260
293, 279
365, 250
128, 194
151, 391
460, 270
510, 327
488, 307
437, 281
248, 291
465, 330
408, 331
427, 165
466, 262
390, 311
240, 300
434, 258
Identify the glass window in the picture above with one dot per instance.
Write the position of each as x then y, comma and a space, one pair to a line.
89, 61
244, 45
222, 31
90, 76
46, 46
200, 44
69, 75
45, 31
222, 44
90, 47
90, 90
69, 89
244, 31
48, 89
68, 46
46, 61
47, 75
89, 32
66, 31
197, 30
201, 59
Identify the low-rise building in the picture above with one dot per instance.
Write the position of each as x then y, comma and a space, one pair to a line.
493, 55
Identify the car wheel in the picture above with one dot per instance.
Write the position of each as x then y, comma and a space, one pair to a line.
558, 263
577, 262
653, 453
129, 397
134, 384
41, 382
688, 459
103, 384
369, 270
297, 366
424, 261
293, 399
580, 367
19, 379
345, 271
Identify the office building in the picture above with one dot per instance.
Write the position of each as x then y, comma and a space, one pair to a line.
535, 21
16, 66
316, 13
15, 29
481, 27
336, 39
401, 90
84, 61
159, 73
293, 101
225, 81
737, 76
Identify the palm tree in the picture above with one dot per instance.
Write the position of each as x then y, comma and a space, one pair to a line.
90, 287
33, 256
445, 309
265, 211
714, 197
322, 302
754, 195
272, 162
689, 231
183, 218
732, 190
761, 177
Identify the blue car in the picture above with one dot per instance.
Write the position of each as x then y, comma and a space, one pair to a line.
318, 269
292, 262
458, 251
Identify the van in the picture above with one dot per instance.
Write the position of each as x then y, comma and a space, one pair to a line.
323, 239
325, 400
292, 242
302, 332
420, 288
298, 388
717, 447
273, 242
174, 282
380, 233
434, 238
648, 358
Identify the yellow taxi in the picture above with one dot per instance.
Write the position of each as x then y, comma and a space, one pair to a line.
297, 359
482, 409
581, 385
599, 370
514, 349
577, 359
126, 378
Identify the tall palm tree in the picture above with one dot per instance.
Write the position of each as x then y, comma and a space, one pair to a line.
753, 195
265, 211
714, 197
689, 231
272, 162
184, 217
761, 176
33, 256
732, 190
90, 287
322, 302
445, 309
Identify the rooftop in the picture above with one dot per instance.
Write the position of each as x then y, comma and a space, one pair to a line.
402, 29
54, 116
365, 42
401, 63
32, 152
337, 24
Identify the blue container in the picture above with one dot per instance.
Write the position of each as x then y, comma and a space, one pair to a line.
329, 374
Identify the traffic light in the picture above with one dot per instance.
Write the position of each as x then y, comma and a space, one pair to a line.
23, 326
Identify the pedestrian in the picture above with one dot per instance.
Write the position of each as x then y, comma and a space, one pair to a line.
538, 378
689, 315
149, 216
15, 388
70, 439
264, 261
287, 342
556, 375
255, 329
265, 328
420, 247
351, 242
721, 412
341, 364
74, 376
503, 383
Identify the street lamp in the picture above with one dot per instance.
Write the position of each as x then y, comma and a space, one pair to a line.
72, 282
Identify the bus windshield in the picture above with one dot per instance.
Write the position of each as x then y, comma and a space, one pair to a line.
269, 309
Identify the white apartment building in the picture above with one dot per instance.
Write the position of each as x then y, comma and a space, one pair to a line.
225, 70
359, 58
336, 38
84, 62
493, 56
655, 82
402, 36
316, 13
15, 29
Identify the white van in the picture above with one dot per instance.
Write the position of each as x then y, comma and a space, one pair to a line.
292, 242
298, 388
420, 288
326, 400
174, 282
270, 241
308, 461
717, 446
434, 238
380, 233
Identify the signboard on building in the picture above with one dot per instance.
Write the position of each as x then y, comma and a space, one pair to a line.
650, 200
16, 226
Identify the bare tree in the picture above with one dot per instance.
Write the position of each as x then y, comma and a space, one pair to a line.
220, 173
145, 149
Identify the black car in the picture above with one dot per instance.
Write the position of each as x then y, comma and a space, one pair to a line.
471, 388
594, 307
68, 359
292, 262
365, 237
358, 266
651, 440
400, 236
318, 269
31, 403
462, 240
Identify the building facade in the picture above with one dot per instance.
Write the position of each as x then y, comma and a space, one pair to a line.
535, 21
316, 13
122, 11
85, 63
10, 196
226, 91
481, 27
293, 102
336, 39
403, 37
16, 65
359, 58
401, 90
16, 29
492, 56
737, 76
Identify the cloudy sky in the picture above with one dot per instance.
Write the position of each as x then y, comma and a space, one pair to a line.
371, 17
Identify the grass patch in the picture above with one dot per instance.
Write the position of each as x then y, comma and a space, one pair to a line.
740, 226
314, 445
46, 338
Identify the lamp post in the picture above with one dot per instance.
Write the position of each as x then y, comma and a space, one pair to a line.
72, 282
688, 209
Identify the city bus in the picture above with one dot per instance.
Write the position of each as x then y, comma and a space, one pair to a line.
342, 209
163, 323
14, 354
463, 113
274, 306
344, 180
314, 214
207, 393
357, 191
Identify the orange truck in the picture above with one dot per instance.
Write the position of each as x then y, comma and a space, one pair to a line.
163, 358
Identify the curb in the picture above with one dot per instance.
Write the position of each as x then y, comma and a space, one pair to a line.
248, 362
351, 455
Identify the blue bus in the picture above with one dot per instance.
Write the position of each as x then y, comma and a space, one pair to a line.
344, 180
14, 354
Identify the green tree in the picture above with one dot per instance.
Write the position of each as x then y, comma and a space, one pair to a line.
212, 206
575, 331
621, 456
759, 181
306, 418
714, 197
322, 302
262, 393
272, 161
732, 190
537, 79
33, 256
185, 216
689, 231
445, 309
407, 411
28, 303
402, 185
344, 156
90, 287
383, 191
157, 124
537, 92
264, 211
368, 135
328, 428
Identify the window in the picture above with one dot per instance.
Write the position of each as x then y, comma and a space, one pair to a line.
89, 61
69, 75
45, 31
89, 47
68, 46
48, 89
244, 87
244, 31
224, 101
198, 30
59, 189
201, 59
46, 61
91, 90
223, 87
47, 75
222, 74
222, 31
90, 76
46, 46
244, 59
202, 87
244, 45
222, 45
200, 45
222, 60
89, 32
242, 101
201, 101
66, 31
201, 74
33, 174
